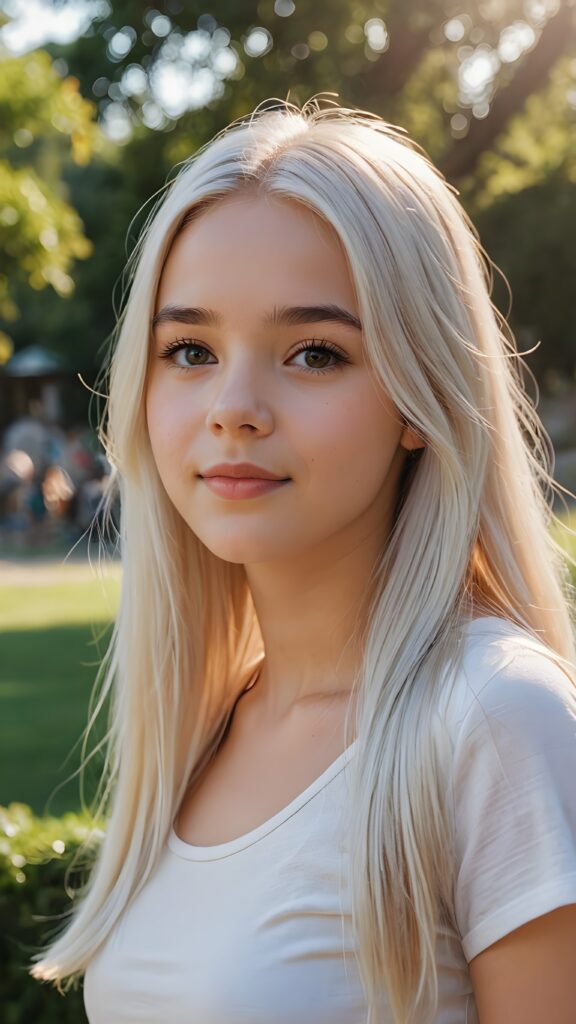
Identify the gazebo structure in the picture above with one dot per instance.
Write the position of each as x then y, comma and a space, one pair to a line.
32, 377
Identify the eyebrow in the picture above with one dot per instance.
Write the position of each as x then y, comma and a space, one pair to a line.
283, 316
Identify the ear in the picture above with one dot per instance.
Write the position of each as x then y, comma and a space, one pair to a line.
411, 440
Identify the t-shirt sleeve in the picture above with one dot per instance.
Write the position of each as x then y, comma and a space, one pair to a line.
514, 800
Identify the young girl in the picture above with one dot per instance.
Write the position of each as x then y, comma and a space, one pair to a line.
343, 721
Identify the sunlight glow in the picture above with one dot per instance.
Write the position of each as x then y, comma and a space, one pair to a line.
134, 81
258, 42
195, 46
122, 42
161, 25
476, 75
515, 40
377, 35
35, 22
116, 123
454, 30
284, 8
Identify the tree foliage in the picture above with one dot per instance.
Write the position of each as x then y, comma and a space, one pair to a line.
44, 121
488, 57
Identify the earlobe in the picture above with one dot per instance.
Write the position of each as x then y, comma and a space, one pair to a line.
411, 440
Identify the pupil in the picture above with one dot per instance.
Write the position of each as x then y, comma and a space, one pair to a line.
316, 354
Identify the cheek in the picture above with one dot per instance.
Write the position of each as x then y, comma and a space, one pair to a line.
355, 442
169, 419
170, 427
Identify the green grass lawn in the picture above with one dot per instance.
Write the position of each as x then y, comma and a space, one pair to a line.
54, 624
54, 628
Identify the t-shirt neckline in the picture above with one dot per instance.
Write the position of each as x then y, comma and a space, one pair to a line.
204, 853
219, 850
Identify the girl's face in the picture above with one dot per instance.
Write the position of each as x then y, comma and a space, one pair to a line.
227, 384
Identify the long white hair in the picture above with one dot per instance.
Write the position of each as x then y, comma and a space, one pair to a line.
471, 534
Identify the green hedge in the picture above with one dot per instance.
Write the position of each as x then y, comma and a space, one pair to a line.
34, 855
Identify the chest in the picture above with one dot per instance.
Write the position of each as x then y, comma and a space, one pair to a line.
257, 772
258, 931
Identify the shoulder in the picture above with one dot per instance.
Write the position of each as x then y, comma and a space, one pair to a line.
511, 794
507, 675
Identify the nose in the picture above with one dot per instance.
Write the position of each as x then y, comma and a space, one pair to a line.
237, 403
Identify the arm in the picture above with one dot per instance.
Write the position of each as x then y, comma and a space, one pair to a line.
529, 976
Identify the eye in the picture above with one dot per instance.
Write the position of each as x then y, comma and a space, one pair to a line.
326, 349
185, 354
182, 352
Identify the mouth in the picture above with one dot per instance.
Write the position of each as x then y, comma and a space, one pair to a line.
267, 479
235, 487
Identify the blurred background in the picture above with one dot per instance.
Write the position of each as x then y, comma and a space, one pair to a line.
99, 101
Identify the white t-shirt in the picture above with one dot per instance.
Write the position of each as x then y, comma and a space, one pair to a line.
258, 930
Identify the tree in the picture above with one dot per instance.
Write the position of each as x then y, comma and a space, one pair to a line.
42, 117
488, 59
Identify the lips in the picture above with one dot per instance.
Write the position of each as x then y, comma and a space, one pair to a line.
241, 471
235, 488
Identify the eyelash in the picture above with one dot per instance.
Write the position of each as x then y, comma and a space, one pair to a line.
312, 344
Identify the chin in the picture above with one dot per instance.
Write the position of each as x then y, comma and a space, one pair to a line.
232, 549
242, 551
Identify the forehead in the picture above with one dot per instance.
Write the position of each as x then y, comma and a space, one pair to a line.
252, 248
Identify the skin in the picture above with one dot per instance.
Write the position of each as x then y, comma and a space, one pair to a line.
309, 547
529, 976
